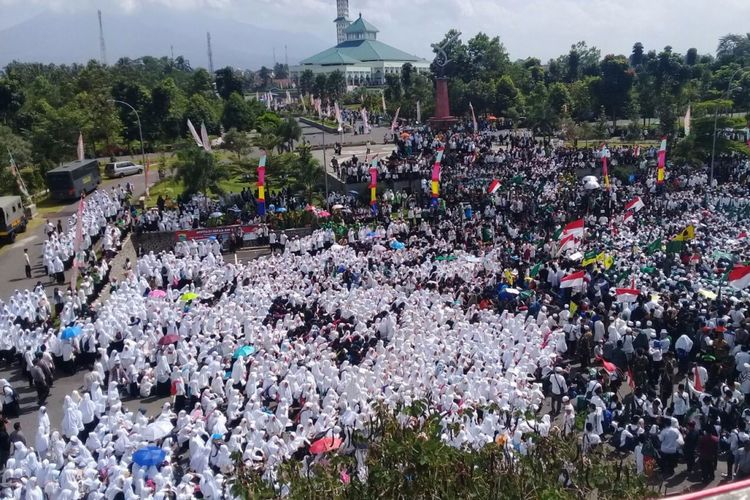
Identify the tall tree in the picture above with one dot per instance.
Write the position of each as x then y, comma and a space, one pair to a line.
199, 171
306, 81
228, 81
613, 89
238, 113
636, 56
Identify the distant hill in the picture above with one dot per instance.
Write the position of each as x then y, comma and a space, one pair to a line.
67, 38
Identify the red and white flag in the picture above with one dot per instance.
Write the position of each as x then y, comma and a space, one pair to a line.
637, 151
575, 228
573, 280
569, 242
635, 204
494, 186
627, 217
627, 294
739, 277
80, 147
742, 235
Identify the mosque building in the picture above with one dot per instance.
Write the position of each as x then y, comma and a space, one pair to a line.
359, 55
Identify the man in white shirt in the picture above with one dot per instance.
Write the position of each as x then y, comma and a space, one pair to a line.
670, 439
681, 403
558, 389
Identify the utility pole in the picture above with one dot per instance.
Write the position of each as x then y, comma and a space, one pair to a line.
210, 54
171, 51
102, 46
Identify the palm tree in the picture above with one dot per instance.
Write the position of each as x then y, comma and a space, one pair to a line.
308, 172
289, 131
199, 171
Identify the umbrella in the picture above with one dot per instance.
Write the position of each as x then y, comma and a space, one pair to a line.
216, 215
325, 444
70, 332
244, 351
169, 339
589, 178
157, 294
187, 297
336, 246
280, 210
148, 456
397, 245
591, 185
354, 193
337, 207
158, 430
324, 213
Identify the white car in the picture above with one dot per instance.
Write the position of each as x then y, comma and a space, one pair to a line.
122, 168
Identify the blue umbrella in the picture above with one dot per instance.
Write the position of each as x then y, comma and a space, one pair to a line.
70, 332
244, 351
148, 456
280, 210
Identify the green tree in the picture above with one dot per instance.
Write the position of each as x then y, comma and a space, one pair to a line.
319, 86
201, 82
613, 89
392, 88
228, 82
306, 82
289, 131
308, 171
407, 76
507, 97
636, 57
335, 85
200, 109
540, 114
237, 142
199, 171
238, 113
265, 76
487, 58
582, 100
281, 71
559, 97
451, 56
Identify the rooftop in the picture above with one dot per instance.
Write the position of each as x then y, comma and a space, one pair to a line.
361, 26
355, 51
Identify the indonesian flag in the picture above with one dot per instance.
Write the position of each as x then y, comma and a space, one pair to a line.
569, 242
610, 367
742, 235
627, 294
688, 116
697, 382
494, 186
574, 228
662, 161
628, 217
80, 147
419, 112
194, 133
573, 280
739, 277
636, 204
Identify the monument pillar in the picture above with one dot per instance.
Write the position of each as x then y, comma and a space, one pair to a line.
442, 119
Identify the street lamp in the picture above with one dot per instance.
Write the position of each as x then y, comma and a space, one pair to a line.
716, 121
140, 135
325, 163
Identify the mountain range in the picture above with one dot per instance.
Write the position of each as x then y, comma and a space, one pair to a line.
60, 37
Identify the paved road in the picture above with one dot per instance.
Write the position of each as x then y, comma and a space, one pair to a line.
12, 276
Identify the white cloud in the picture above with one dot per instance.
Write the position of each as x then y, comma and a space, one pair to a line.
540, 28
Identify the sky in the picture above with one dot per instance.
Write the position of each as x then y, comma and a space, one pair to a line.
538, 28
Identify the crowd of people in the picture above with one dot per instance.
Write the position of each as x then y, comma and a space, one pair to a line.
505, 295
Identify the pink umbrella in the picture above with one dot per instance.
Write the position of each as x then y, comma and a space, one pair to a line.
325, 444
324, 213
169, 339
309, 208
157, 294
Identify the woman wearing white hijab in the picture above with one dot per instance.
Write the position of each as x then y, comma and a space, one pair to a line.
88, 417
41, 442
71, 423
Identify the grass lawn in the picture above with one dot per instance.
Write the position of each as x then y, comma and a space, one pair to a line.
171, 188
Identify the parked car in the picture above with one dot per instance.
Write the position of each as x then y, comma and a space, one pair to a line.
122, 168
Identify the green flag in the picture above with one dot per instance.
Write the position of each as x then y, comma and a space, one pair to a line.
675, 246
653, 247
535, 270
648, 269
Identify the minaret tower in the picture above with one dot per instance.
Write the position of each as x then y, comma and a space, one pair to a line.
342, 19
